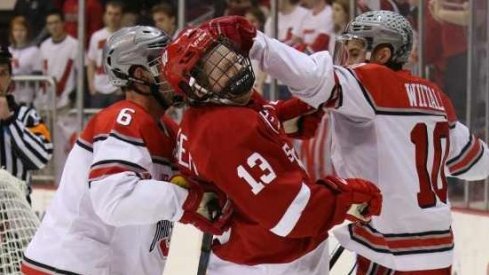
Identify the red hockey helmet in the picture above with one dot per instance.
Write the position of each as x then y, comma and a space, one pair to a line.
206, 67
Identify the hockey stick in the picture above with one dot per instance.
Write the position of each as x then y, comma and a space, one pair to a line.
206, 248
205, 253
336, 255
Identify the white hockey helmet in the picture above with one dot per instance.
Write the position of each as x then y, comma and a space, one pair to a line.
130, 47
379, 27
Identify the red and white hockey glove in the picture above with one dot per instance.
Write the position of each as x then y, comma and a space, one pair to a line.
357, 199
300, 120
204, 209
235, 28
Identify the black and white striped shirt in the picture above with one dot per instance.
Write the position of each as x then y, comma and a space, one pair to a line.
25, 143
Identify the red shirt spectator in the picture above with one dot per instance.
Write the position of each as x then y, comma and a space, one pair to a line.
93, 17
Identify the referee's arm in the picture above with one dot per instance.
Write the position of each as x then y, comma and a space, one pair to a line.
30, 138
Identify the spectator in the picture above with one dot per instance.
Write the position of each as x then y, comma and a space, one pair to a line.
164, 18
25, 139
93, 17
341, 17
374, 5
453, 17
25, 58
315, 33
256, 16
290, 17
239, 7
103, 93
58, 54
35, 11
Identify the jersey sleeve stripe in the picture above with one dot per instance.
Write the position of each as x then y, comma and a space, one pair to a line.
84, 144
100, 137
126, 138
293, 213
469, 165
161, 161
108, 162
402, 244
121, 137
102, 172
469, 158
32, 267
462, 153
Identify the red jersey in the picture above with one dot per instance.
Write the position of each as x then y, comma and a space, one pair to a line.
280, 213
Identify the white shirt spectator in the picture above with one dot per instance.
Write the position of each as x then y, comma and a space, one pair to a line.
95, 49
287, 23
59, 61
25, 61
315, 24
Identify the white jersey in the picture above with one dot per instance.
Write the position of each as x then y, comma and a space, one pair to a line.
95, 49
398, 131
104, 216
59, 61
25, 61
315, 24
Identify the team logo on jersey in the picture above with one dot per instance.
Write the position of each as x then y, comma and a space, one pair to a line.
162, 237
268, 115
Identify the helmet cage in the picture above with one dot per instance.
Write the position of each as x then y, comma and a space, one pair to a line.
215, 75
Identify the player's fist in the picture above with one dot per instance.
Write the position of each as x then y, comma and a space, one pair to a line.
235, 28
360, 198
206, 210
304, 126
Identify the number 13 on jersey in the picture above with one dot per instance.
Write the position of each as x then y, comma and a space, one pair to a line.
268, 175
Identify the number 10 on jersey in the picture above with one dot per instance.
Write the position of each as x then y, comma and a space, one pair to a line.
429, 187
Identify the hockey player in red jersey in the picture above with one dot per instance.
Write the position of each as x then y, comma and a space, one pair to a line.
238, 146
390, 127
114, 207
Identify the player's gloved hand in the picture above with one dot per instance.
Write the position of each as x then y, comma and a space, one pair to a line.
357, 199
305, 126
236, 28
299, 119
204, 209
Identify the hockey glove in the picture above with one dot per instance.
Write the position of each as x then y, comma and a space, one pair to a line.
204, 209
357, 199
299, 120
235, 28
305, 126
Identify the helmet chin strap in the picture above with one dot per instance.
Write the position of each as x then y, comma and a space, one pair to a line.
153, 91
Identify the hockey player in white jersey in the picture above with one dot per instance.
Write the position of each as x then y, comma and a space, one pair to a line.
113, 209
390, 127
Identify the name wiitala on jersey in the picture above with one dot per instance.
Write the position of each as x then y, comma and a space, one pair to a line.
423, 96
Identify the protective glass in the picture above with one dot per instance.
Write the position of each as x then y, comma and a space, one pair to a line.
350, 49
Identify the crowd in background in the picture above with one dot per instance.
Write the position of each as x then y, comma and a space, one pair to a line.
307, 25
43, 40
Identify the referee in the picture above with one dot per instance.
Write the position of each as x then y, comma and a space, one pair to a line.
25, 142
